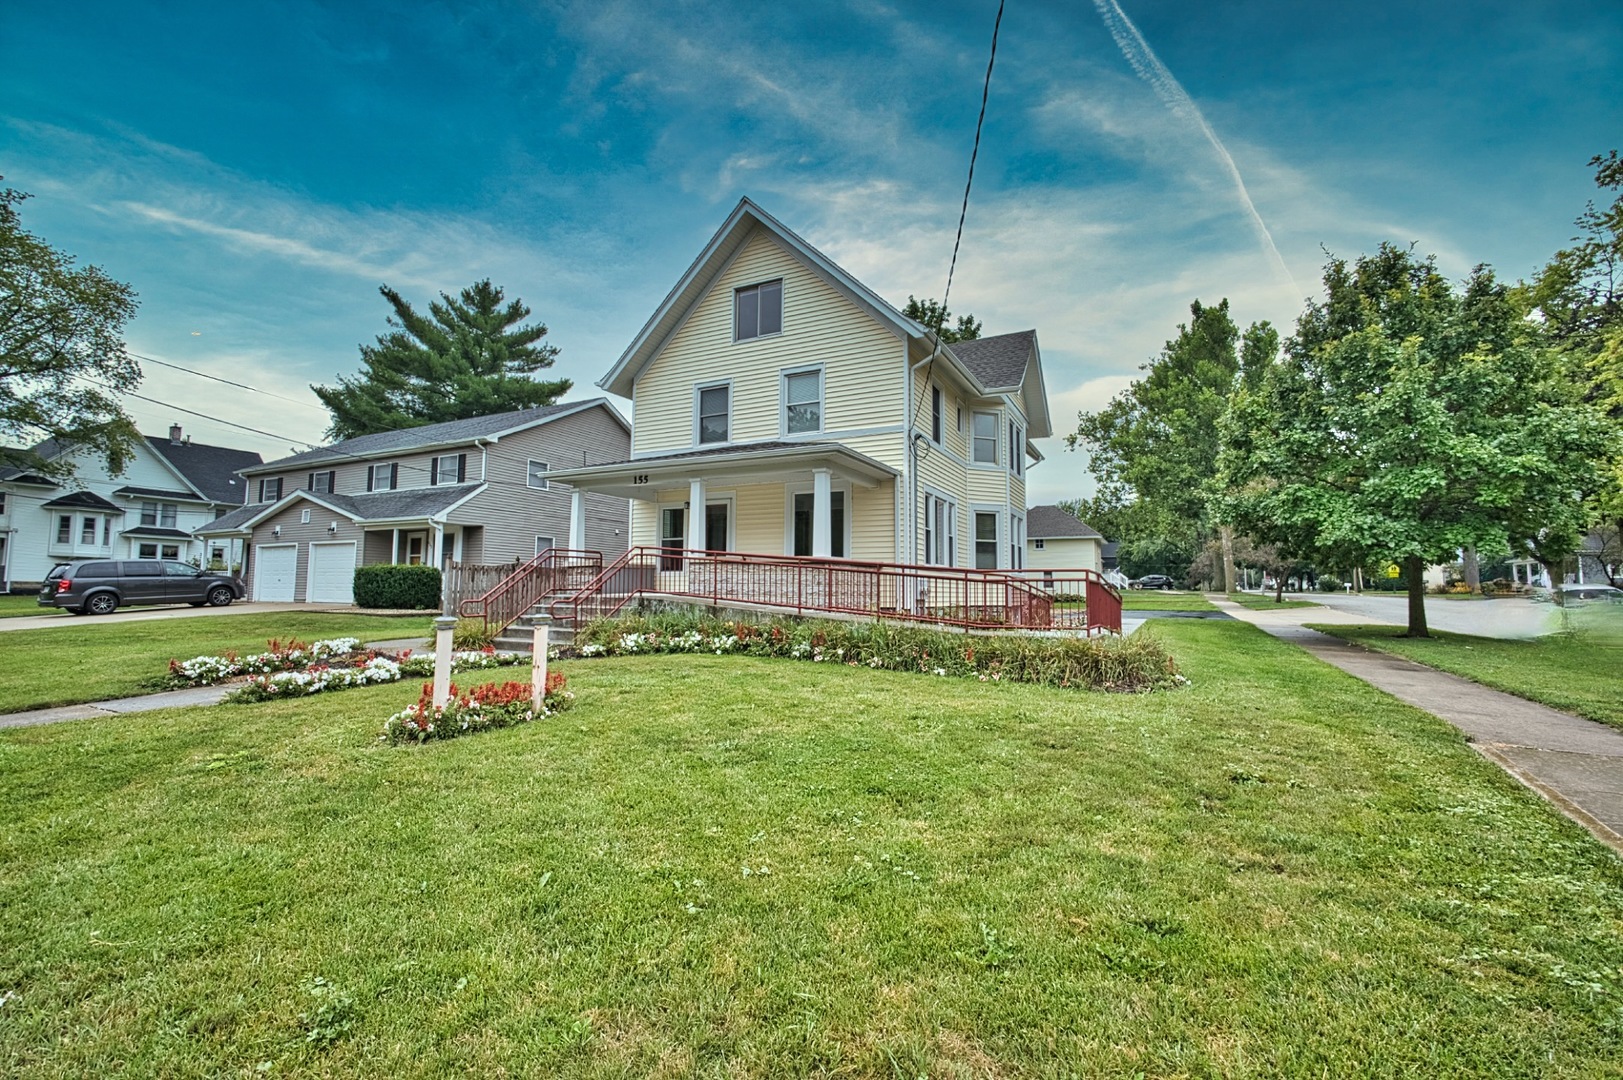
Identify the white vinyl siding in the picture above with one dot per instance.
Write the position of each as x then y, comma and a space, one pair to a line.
861, 361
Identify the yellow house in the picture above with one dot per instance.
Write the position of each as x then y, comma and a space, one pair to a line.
1059, 540
781, 407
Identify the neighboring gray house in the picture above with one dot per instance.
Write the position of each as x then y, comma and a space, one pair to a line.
169, 488
468, 491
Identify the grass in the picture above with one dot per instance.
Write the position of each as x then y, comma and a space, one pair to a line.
1157, 600
13, 606
1277, 871
1580, 671
83, 660
1266, 602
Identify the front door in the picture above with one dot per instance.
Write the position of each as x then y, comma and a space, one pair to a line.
715, 527
416, 549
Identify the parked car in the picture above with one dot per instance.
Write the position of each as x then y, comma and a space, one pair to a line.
1151, 581
102, 586
1589, 594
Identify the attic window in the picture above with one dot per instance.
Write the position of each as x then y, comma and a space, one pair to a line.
758, 310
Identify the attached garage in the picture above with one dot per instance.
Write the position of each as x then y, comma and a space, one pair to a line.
275, 568
332, 573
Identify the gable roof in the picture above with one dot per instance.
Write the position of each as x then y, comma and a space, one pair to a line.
712, 261
1053, 523
431, 436
374, 506
84, 500
999, 362
212, 470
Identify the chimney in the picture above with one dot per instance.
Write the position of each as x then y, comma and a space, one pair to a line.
174, 434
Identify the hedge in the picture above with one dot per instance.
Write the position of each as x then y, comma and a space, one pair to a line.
397, 585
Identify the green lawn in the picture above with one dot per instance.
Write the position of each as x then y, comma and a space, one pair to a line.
1157, 600
1581, 672
1277, 871
86, 660
1261, 602
13, 606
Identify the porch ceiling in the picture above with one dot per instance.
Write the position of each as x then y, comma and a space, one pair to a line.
759, 463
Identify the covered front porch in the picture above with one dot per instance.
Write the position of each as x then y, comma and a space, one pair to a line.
819, 500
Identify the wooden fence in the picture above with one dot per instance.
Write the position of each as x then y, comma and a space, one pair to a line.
469, 581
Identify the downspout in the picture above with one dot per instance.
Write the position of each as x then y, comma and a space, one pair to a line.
909, 524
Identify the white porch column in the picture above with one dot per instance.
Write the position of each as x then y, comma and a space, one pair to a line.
822, 516
394, 550
577, 519
696, 541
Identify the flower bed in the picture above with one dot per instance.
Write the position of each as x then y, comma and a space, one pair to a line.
1131, 664
488, 707
363, 669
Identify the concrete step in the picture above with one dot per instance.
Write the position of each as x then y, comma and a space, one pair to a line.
521, 635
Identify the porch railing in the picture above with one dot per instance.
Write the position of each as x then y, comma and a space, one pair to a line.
554, 570
948, 596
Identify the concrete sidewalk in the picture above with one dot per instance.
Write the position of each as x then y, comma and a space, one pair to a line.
1575, 763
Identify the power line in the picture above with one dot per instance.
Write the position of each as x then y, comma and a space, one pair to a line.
228, 382
963, 211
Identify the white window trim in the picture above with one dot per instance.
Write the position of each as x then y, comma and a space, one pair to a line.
551, 541
388, 476
783, 401
783, 308
529, 470
1017, 541
438, 470
997, 438
304, 517
954, 525
938, 415
698, 393
1037, 543
789, 493
997, 513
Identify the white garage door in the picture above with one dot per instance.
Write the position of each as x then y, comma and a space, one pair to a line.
332, 573
274, 568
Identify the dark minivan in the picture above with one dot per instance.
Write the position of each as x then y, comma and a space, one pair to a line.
103, 585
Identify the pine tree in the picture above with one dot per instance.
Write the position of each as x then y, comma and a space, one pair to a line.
472, 355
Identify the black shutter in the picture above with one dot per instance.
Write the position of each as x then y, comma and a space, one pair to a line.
262, 489
394, 475
461, 467
312, 485
332, 481
369, 478
434, 471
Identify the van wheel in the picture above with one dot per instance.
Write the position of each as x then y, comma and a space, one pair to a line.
220, 596
102, 603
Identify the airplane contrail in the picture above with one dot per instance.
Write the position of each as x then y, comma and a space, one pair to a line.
1171, 92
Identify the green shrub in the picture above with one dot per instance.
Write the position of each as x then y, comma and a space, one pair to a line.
397, 585
471, 634
1134, 663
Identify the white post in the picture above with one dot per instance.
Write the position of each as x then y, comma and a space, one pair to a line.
538, 668
822, 516
394, 552
696, 540
443, 626
577, 519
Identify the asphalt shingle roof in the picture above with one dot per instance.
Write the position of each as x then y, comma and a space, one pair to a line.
452, 431
159, 533
998, 361
86, 500
1052, 523
155, 493
373, 506
211, 469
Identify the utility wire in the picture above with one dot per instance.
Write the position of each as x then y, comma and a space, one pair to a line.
228, 382
963, 212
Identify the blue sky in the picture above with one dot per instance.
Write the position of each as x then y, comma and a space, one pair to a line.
257, 170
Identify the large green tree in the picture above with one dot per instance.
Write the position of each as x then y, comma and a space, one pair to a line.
1579, 297
1407, 419
471, 355
62, 356
1154, 446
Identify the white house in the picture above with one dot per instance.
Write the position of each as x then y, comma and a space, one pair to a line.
1058, 540
171, 487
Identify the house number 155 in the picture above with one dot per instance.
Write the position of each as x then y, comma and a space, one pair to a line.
640, 478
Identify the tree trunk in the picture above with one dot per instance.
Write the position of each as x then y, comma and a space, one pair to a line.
1473, 571
1416, 568
1279, 588
1226, 533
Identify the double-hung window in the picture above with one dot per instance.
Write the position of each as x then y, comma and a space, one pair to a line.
64, 528
149, 515
322, 482
758, 310
87, 534
270, 490
155, 515
985, 448
167, 513
1017, 448
985, 541
714, 406
935, 415
383, 477
448, 469
803, 401
940, 531
536, 476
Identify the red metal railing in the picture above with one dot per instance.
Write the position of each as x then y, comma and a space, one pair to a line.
950, 596
554, 570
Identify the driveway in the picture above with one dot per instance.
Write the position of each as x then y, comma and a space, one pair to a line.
181, 611
1511, 617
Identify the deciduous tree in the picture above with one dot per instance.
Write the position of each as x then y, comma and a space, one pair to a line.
1407, 420
62, 356
471, 355
932, 314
